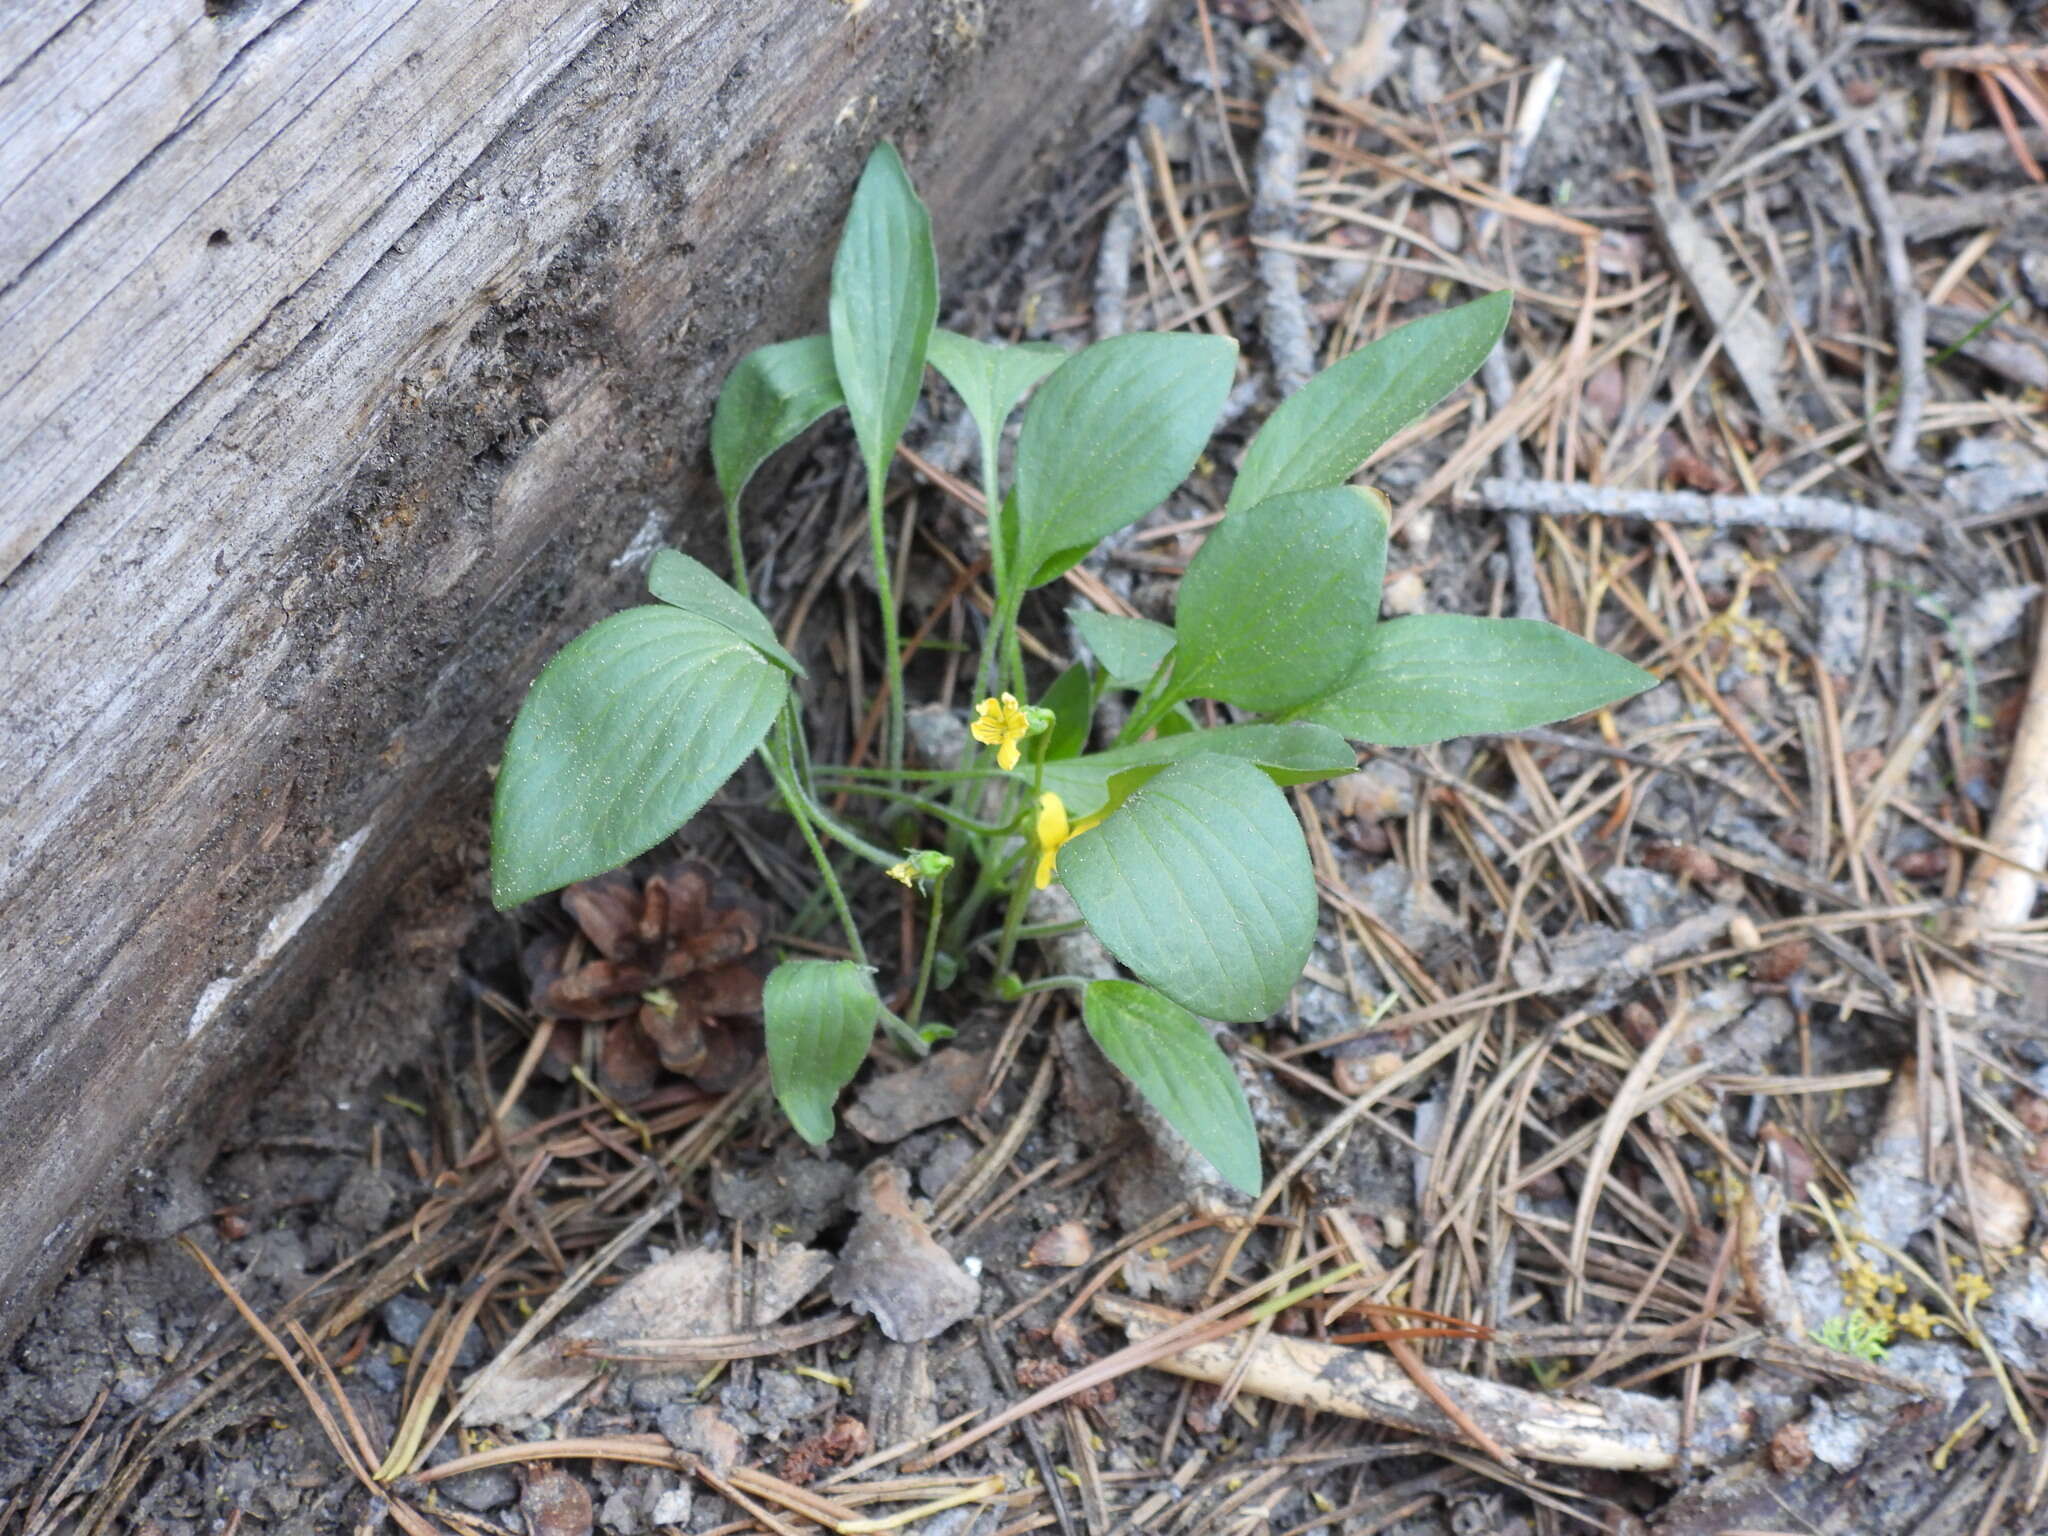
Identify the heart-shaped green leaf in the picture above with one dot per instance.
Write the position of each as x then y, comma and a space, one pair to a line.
1325, 430
1167, 1054
1292, 753
1200, 883
1276, 605
885, 298
1108, 437
695, 588
820, 1018
1130, 650
623, 736
1437, 675
770, 396
991, 379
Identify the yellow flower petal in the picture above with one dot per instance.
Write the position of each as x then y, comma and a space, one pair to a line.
1001, 723
1051, 831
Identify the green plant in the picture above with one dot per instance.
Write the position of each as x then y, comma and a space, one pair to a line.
1854, 1333
1177, 842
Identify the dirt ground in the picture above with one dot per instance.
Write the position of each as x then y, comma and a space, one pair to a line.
1659, 1057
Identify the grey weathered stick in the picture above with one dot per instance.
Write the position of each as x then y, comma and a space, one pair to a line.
1971, 147
1284, 317
1748, 340
1805, 514
1626, 1431
1931, 217
1113, 266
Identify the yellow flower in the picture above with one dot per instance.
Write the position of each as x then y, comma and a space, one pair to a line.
1001, 723
1917, 1321
1971, 1288
1054, 833
921, 865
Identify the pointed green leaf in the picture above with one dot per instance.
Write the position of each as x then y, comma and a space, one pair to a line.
1168, 1056
770, 396
1276, 605
623, 736
820, 1018
695, 588
1108, 437
1325, 430
1200, 883
1437, 675
991, 379
1130, 650
885, 297
1071, 699
1293, 753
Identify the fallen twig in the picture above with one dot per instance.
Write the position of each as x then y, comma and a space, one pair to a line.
1806, 514
1615, 1430
2001, 888
1284, 315
1931, 217
1113, 267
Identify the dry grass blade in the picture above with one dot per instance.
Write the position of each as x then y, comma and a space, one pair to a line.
644, 1450
407, 1446
408, 1519
1629, 1100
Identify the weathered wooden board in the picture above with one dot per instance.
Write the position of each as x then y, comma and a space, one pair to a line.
345, 349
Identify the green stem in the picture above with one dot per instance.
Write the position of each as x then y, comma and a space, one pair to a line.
792, 797
919, 775
879, 857
1031, 931
999, 566
799, 743
977, 896
1013, 916
1009, 605
885, 591
1148, 711
931, 951
1016, 989
906, 1038
739, 550
1014, 644
929, 806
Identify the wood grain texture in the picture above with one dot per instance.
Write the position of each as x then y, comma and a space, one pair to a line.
344, 350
